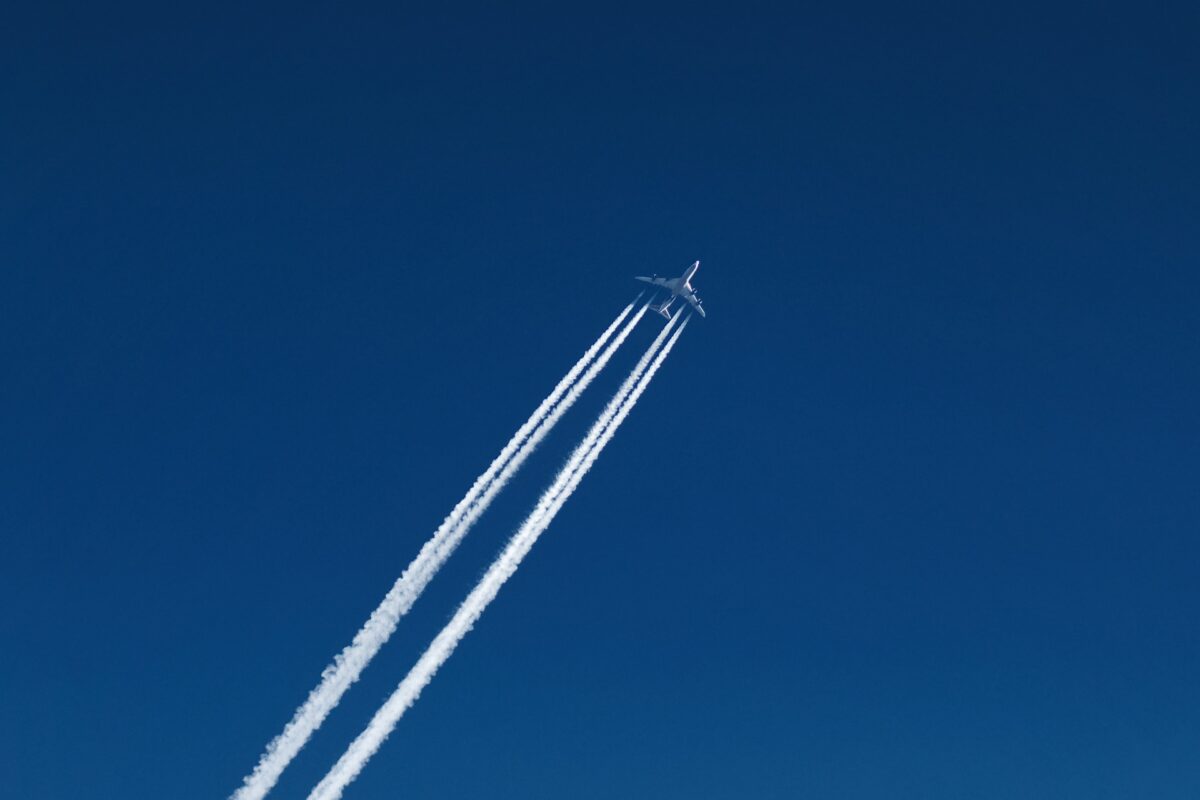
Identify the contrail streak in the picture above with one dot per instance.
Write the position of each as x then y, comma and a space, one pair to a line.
369, 741
348, 665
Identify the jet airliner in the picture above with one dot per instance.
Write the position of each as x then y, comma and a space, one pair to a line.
678, 287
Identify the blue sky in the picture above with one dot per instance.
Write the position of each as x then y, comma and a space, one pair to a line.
912, 513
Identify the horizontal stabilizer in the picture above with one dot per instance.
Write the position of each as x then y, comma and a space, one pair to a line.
664, 307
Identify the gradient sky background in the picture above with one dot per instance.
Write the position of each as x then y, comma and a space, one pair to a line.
912, 514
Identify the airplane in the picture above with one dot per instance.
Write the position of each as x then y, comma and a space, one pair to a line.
678, 287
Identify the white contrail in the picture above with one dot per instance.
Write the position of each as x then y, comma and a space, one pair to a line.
476, 508
348, 665
611, 430
368, 742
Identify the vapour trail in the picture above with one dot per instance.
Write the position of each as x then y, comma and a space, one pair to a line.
348, 665
611, 430
447, 546
381, 725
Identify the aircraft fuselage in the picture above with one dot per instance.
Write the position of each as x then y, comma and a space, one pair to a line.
678, 287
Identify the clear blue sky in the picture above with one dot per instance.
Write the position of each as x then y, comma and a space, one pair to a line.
912, 514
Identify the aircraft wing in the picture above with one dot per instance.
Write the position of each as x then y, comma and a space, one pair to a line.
653, 281
695, 301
